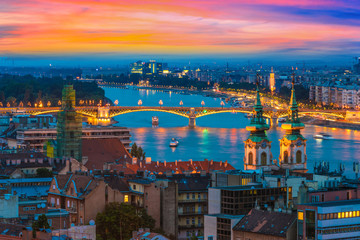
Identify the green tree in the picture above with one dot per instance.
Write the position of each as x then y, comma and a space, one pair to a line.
43, 173
134, 149
42, 222
118, 221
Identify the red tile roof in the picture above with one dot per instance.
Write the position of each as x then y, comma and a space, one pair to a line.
176, 167
100, 151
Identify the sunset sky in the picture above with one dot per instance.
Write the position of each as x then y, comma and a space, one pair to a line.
110, 29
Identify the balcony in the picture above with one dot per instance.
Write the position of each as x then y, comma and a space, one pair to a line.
187, 213
191, 226
72, 210
197, 200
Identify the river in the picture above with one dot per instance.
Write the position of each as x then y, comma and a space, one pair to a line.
218, 136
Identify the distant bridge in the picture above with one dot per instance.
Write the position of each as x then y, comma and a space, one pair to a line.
103, 114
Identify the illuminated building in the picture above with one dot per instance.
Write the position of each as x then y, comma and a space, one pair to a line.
137, 67
69, 127
257, 146
329, 220
293, 144
153, 68
272, 81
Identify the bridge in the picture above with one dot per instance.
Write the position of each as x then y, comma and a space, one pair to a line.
101, 115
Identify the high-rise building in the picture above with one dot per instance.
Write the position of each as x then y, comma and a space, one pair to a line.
69, 127
137, 67
272, 81
153, 68
293, 144
357, 66
257, 146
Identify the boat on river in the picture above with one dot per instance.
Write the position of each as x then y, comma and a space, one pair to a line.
323, 136
174, 142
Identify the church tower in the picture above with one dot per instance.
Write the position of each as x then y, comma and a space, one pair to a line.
257, 146
293, 144
69, 127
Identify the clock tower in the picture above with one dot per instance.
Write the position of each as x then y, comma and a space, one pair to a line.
257, 145
293, 144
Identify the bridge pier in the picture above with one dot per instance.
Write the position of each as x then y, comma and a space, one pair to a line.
192, 122
273, 122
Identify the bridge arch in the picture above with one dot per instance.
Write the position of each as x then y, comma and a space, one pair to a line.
338, 115
121, 112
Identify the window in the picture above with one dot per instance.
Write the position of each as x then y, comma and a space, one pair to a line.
187, 221
53, 187
134, 187
50, 222
286, 157
263, 159
193, 196
251, 160
211, 237
126, 198
193, 221
58, 201
298, 156
187, 196
68, 203
300, 215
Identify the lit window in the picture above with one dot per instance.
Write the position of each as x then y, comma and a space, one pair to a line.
357, 213
339, 215
354, 214
350, 215
346, 214
300, 215
342, 214
126, 198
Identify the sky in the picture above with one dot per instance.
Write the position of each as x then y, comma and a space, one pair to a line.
79, 31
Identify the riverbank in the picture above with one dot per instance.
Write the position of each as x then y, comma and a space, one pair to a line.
330, 124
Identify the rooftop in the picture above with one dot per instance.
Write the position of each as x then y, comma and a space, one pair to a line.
267, 223
334, 203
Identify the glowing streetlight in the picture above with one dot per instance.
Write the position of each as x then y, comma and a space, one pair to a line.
48, 104
116, 102
161, 103
140, 103
40, 104
181, 103
21, 104
8, 104
202, 103
222, 104
59, 103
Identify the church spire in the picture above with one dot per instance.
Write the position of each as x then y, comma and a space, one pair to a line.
257, 122
293, 112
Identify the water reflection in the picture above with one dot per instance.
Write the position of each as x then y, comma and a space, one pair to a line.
219, 136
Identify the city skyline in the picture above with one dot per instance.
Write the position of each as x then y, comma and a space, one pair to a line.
70, 32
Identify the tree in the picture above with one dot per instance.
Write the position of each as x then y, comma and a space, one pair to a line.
137, 152
43, 173
134, 150
42, 222
118, 221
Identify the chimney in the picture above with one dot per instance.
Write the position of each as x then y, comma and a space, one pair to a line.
157, 163
165, 163
134, 160
140, 162
225, 164
191, 161
211, 162
220, 163
175, 162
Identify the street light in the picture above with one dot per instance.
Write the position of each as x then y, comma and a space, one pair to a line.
202, 103
160, 103
222, 104
116, 102
181, 103
140, 103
